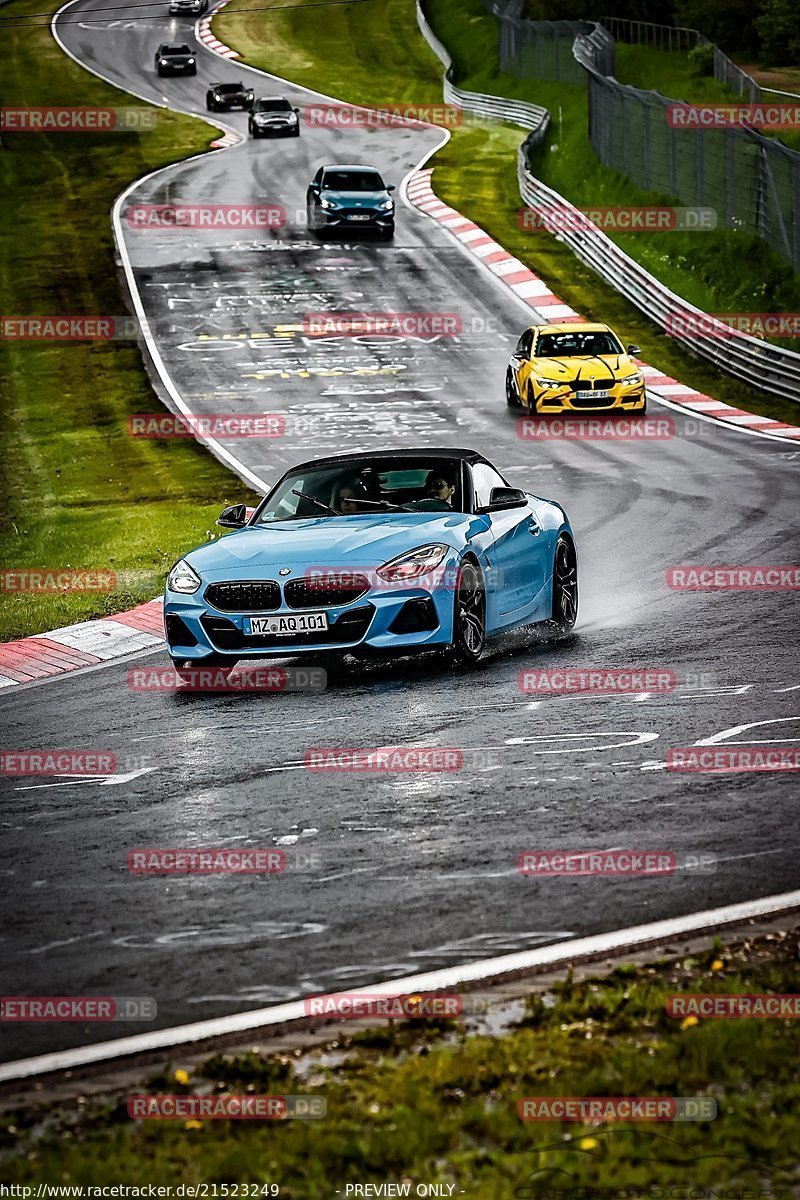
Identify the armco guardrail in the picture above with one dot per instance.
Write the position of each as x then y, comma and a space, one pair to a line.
519, 112
765, 367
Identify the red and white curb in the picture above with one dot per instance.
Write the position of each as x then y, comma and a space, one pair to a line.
208, 39
83, 645
544, 303
203, 34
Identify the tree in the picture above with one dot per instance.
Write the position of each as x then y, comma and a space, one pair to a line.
779, 30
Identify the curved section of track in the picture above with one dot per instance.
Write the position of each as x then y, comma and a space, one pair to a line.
411, 872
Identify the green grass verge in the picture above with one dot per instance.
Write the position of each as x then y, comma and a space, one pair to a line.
373, 54
435, 1103
670, 72
77, 490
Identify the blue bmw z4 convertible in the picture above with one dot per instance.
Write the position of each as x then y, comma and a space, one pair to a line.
384, 552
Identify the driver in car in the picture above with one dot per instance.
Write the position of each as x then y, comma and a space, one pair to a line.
439, 487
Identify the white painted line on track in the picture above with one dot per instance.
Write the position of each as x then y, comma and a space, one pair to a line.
485, 971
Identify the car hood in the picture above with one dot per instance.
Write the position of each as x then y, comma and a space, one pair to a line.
585, 366
356, 542
356, 199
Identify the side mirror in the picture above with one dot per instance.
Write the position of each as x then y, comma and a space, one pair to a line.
314, 187
233, 517
390, 187
297, 110
634, 350
504, 497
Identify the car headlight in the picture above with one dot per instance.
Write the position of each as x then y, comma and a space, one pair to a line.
410, 566
635, 378
162, 62
183, 579
190, 62
387, 204
327, 203
550, 383
292, 118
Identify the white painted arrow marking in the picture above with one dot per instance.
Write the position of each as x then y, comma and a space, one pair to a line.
102, 780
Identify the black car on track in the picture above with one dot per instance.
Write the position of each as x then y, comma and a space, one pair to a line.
175, 58
225, 97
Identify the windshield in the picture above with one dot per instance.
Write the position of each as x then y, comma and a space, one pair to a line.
229, 87
353, 181
570, 345
273, 106
175, 50
355, 487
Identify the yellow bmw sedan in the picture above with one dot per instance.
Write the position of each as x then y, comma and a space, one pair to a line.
574, 368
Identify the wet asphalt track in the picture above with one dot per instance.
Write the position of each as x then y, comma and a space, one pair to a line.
406, 872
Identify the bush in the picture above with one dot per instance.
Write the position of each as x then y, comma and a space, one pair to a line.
701, 59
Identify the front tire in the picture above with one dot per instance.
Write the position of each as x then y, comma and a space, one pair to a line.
532, 404
565, 587
512, 397
469, 617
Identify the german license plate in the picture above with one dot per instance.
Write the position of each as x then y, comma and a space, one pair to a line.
599, 395
285, 626
358, 217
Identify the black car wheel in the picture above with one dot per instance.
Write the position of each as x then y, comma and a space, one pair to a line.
387, 234
469, 617
512, 398
532, 403
565, 586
